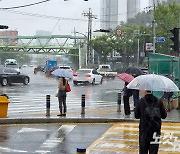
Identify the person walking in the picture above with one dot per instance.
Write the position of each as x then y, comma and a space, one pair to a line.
150, 110
126, 94
62, 96
135, 93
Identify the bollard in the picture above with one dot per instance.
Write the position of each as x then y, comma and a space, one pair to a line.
83, 104
81, 151
48, 105
119, 103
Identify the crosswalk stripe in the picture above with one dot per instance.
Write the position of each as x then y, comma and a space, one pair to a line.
124, 138
55, 138
34, 104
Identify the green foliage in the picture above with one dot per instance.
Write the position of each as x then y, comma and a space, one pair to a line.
167, 17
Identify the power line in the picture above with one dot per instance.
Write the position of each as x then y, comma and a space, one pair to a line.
16, 7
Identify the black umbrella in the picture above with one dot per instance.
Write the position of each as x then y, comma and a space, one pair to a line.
135, 71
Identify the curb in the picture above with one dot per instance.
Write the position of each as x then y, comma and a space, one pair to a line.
68, 120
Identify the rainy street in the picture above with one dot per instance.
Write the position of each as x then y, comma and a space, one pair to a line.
105, 138
31, 99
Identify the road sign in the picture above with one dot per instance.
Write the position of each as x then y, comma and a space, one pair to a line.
160, 39
149, 46
118, 32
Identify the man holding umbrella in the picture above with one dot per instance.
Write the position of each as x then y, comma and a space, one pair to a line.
150, 110
134, 71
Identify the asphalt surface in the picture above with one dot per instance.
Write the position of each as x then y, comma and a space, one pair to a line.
90, 116
99, 131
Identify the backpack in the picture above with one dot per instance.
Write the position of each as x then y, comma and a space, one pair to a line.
152, 116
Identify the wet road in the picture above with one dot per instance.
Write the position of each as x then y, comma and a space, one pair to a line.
117, 138
56, 138
31, 99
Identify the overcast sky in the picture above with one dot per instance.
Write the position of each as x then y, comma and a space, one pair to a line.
57, 16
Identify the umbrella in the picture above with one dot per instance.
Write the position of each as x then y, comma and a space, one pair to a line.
62, 73
133, 70
153, 82
126, 77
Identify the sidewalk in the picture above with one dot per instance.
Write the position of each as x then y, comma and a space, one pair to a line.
90, 116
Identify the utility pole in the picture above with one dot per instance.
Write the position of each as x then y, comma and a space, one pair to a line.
90, 16
154, 30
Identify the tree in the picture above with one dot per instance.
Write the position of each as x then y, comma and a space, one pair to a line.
103, 46
167, 16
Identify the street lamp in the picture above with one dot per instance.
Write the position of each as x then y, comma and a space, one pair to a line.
87, 47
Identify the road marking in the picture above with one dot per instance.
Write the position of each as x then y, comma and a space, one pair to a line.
124, 138
56, 138
27, 130
2, 149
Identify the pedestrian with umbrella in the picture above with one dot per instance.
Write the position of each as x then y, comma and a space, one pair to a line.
134, 72
62, 84
126, 92
150, 110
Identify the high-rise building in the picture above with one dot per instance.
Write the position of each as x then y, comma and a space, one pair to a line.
109, 14
113, 12
133, 8
155, 2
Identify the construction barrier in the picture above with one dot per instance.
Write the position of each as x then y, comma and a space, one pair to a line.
3, 106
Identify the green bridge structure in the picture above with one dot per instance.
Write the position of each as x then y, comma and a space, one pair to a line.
53, 44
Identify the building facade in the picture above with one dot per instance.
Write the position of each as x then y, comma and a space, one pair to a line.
113, 12
8, 37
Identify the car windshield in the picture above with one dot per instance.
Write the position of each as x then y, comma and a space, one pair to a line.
12, 66
83, 71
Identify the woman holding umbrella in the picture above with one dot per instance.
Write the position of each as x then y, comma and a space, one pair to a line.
62, 96
62, 83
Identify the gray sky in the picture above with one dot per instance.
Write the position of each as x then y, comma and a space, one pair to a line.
69, 14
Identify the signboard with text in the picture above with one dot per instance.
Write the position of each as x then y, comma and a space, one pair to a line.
149, 47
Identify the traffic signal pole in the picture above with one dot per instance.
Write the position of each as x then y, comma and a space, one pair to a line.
175, 39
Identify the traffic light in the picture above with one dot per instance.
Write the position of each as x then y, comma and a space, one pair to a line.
3, 27
175, 39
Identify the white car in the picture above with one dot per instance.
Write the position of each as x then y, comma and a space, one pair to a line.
66, 67
85, 76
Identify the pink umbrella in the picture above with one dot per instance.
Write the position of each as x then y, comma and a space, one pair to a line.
126, 77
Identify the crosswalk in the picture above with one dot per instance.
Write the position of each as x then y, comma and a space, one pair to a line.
21, 106
123, 138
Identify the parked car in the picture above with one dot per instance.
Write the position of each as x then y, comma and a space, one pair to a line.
10, 75
86, 76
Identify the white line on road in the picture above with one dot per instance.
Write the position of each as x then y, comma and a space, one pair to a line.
56, 138
2, 149
27, 130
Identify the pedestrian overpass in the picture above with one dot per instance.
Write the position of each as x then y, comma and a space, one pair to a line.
53, 44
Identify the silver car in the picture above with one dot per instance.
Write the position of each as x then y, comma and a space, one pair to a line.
87, 76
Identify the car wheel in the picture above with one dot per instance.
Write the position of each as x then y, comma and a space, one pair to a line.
93, 82
75, 83
26, 81
4, 82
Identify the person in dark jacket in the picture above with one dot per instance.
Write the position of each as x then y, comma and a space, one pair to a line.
126, 95
146, 134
